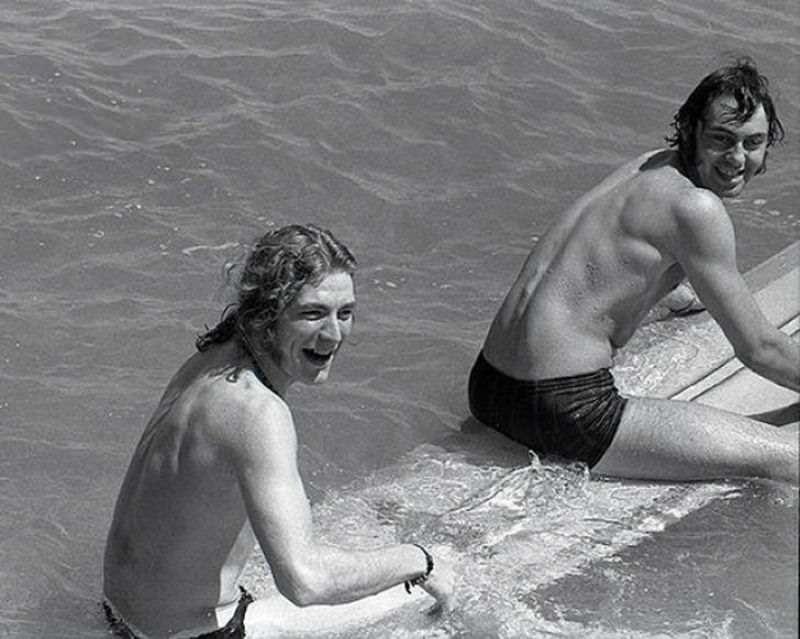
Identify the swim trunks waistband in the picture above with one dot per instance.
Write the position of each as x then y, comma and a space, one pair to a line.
234, 629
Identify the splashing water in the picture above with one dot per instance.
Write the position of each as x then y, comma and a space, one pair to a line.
512, 534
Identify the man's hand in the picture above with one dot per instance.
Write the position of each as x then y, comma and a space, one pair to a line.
440, 585
682, 300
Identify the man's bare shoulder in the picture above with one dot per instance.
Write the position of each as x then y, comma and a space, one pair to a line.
660, 176
220, 410
650, 179
693, 217
235, 402
660, 171
695, 208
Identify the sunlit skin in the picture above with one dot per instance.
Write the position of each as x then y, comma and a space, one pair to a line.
216, 472
609, 258
729, 153
310, 332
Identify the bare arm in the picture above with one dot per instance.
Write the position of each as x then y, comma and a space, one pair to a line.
705, 246
306, 571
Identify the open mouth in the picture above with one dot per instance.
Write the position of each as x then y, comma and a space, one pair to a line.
319, 359
730, 176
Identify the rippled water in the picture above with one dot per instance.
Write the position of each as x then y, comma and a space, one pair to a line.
143, 144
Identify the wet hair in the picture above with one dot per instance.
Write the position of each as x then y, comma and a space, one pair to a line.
746, 85
281, 263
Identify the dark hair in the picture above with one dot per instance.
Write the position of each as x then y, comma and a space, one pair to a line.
746, 85
280, 264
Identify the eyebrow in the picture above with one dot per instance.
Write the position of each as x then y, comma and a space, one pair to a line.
721, 128
316, 305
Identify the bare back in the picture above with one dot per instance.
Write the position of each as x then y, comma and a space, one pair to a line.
592, 277
180, 535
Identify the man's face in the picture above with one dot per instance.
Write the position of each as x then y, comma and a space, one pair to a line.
729, 153
313, 327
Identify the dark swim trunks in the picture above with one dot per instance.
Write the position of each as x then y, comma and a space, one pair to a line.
571, 417
234, 629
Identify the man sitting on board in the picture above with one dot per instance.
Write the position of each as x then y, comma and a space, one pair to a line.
543, 376
216, 469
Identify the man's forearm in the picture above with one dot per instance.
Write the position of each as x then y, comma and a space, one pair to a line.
334, 576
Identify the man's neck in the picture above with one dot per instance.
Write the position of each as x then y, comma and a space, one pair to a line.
687, 168
264, 368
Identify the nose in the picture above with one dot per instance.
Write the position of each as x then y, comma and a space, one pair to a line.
331, 330
736, 154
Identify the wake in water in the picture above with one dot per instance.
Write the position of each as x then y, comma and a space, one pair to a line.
512, 533
509, 504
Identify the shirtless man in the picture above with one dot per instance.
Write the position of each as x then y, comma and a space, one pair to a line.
216, 468
543, 376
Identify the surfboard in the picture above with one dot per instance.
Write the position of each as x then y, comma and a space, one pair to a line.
505, 518
729, 384
681, 357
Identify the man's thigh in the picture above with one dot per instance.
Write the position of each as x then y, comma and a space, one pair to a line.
677, 440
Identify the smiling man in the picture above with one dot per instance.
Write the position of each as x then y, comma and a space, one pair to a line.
543, 375
216, 472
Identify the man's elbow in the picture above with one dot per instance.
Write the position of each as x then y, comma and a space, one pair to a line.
748, 356
769, 356
305, 589
300, 597
756, 356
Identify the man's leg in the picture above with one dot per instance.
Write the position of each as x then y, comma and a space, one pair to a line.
676, 440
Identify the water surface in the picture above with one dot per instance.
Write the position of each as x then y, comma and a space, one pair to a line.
143, 144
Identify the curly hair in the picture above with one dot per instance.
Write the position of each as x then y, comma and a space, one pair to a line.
277, 268
748, 87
